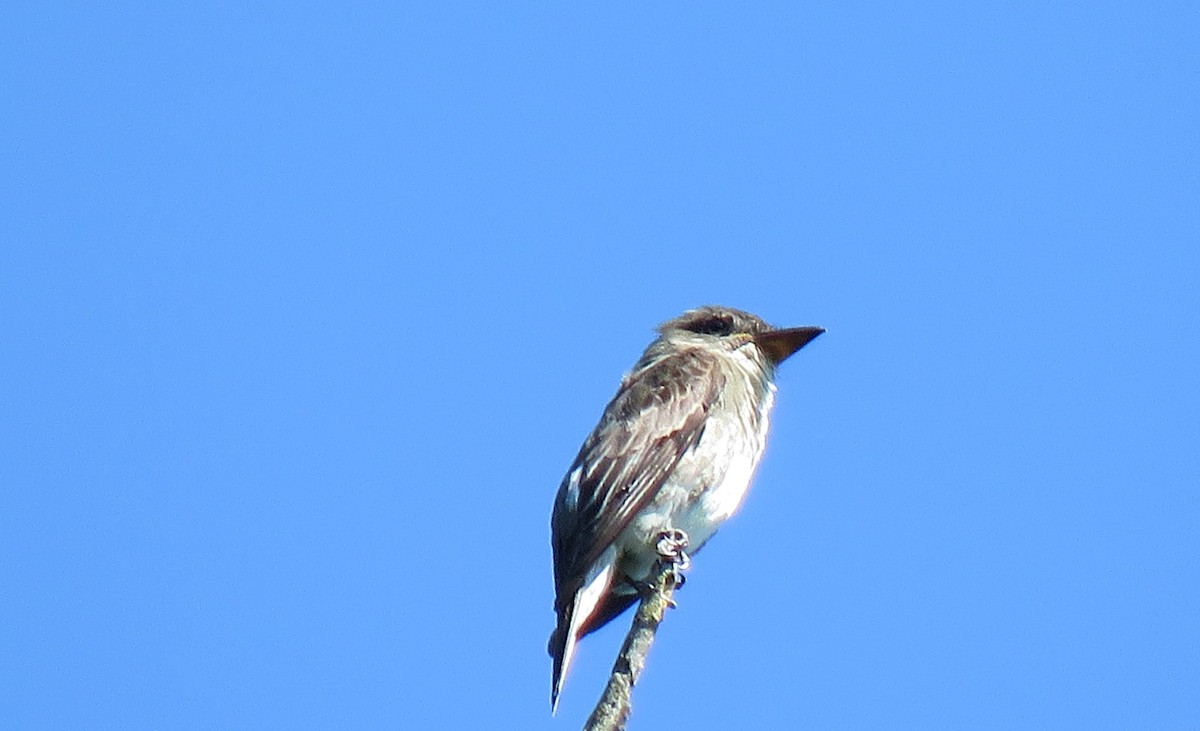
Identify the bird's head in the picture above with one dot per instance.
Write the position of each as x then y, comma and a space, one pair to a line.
736, 328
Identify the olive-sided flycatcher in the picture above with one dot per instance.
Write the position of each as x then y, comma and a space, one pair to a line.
674, 451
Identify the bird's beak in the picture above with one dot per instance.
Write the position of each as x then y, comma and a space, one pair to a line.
780, 344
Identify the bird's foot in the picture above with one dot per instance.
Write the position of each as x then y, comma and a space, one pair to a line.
670, 547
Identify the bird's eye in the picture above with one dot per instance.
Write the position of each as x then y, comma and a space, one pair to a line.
713, 326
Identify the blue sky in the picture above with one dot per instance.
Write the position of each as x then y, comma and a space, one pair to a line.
306, 309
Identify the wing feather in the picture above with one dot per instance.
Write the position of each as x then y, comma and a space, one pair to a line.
656, 416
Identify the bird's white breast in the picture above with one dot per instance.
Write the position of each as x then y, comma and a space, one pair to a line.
711, 479
724, 474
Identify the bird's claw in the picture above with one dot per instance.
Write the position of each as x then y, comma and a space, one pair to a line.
670, 547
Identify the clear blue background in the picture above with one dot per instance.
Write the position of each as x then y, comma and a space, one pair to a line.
306, 309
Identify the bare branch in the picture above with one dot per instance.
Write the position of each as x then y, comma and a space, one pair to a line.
613, 709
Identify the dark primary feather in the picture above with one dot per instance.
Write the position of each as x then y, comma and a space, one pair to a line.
625, 461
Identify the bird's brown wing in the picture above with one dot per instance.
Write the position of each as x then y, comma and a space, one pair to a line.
656, 416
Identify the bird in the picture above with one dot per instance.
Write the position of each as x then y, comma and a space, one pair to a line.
670, 460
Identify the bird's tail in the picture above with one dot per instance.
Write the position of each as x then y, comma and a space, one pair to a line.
562, 647
572, 618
